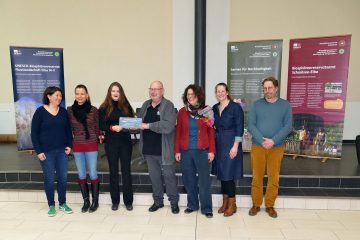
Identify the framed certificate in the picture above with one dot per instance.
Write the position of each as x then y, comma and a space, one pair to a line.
128, 122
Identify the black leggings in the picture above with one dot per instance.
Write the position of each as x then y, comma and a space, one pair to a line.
228, 187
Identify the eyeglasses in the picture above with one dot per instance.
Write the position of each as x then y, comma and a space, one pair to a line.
268, 88
154, 89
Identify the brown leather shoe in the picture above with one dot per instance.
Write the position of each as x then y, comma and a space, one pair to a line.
231, 207
271, 211
225, 204
254, 210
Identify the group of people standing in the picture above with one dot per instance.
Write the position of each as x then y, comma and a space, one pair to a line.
203, 139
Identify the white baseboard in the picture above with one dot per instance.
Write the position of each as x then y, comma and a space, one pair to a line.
145, 199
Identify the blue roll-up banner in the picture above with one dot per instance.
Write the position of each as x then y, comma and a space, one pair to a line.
33, 70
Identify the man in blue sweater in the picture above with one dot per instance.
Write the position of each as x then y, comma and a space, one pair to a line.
270, 121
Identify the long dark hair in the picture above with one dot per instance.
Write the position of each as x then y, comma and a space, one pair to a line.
123, 103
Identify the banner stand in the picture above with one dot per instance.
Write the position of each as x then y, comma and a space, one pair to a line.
317, 87
33, 70
324, 159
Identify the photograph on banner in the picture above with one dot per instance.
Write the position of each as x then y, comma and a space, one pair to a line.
317, 83
248, 63
33, 70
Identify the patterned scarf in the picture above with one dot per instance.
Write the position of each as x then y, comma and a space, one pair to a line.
205, 114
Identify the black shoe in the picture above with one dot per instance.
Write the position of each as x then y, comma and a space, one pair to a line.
155, 207
129, 207
188, 210
175, 208
115, 207
209, 215
86, 206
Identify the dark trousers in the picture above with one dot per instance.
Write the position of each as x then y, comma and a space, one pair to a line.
160, 173
116, 149
228, 187
56, 162
196, 162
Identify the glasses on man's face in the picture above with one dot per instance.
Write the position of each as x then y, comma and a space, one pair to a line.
154, 89
268, 88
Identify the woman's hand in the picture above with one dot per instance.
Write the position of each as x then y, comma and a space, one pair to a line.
177, 157
233, 152
67, 150
116, 128
41, 156
211, 156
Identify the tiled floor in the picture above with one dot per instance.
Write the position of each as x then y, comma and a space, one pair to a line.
28, 220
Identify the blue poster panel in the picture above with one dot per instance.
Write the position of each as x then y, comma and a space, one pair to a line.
33, 70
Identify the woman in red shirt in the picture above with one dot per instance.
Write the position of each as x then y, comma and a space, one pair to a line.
84, 121
195, 149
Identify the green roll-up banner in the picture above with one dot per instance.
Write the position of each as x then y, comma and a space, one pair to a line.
248, 64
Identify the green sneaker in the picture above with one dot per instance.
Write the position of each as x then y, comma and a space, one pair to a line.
65, 208
51, 211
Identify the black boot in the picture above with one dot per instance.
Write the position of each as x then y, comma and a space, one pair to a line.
95, 196
85, 194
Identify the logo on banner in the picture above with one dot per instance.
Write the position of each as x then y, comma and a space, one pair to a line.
17, 52
342, 43
57, 54
296, 45
234, 48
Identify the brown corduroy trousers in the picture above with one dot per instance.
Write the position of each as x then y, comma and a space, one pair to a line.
270, 159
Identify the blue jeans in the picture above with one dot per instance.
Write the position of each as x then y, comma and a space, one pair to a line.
56, 162
196, 162
86, 158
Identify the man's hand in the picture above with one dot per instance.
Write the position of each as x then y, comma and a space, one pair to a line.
268, 143
144, 126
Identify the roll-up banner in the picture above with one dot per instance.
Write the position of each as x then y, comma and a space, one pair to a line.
33, 70
317, 82
248, 64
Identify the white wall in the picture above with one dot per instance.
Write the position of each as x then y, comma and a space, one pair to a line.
183, 47
217, 36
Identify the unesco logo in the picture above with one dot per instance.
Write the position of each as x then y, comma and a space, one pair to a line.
17, 52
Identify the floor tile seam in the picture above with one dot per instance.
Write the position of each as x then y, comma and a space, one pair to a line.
283, 234
65, 226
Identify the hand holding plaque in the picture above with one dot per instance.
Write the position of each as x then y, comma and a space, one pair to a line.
130, 123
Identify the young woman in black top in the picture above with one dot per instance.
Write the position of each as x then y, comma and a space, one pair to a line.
118, 143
